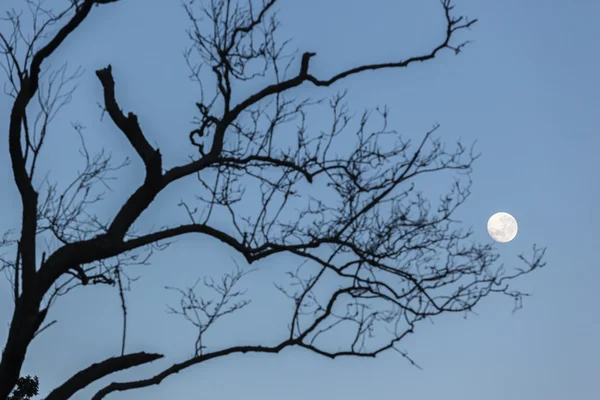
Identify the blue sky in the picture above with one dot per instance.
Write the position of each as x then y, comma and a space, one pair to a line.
525, 90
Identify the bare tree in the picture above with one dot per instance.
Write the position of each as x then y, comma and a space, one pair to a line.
378, 256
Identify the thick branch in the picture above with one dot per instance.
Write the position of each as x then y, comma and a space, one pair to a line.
142, 198
129, 125
99, 370
72, 255
175, 368
82, 12
250, 254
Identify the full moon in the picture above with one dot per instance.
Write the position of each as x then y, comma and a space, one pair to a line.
502, 227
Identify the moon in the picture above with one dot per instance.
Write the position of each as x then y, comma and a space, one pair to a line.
502, 227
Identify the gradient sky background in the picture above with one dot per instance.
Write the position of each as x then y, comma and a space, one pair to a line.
526, 90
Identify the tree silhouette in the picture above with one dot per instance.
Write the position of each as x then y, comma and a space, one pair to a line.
27, 387
379, 256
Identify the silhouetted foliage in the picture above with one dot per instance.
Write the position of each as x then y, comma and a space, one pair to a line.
378, 256
27, 387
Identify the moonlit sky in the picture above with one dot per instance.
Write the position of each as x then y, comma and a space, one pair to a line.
526, 90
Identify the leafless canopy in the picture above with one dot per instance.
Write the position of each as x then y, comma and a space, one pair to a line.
377, 255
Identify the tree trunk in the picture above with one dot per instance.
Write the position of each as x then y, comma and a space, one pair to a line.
24, 324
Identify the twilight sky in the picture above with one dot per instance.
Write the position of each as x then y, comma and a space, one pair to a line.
526, 90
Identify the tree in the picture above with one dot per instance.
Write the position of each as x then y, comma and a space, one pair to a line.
390, 258
27, 387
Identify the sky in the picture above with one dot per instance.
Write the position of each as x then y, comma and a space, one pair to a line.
525, 90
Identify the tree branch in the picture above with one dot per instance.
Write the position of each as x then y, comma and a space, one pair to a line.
129, 125
26, 315
175, 368
452, 25
99, 370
